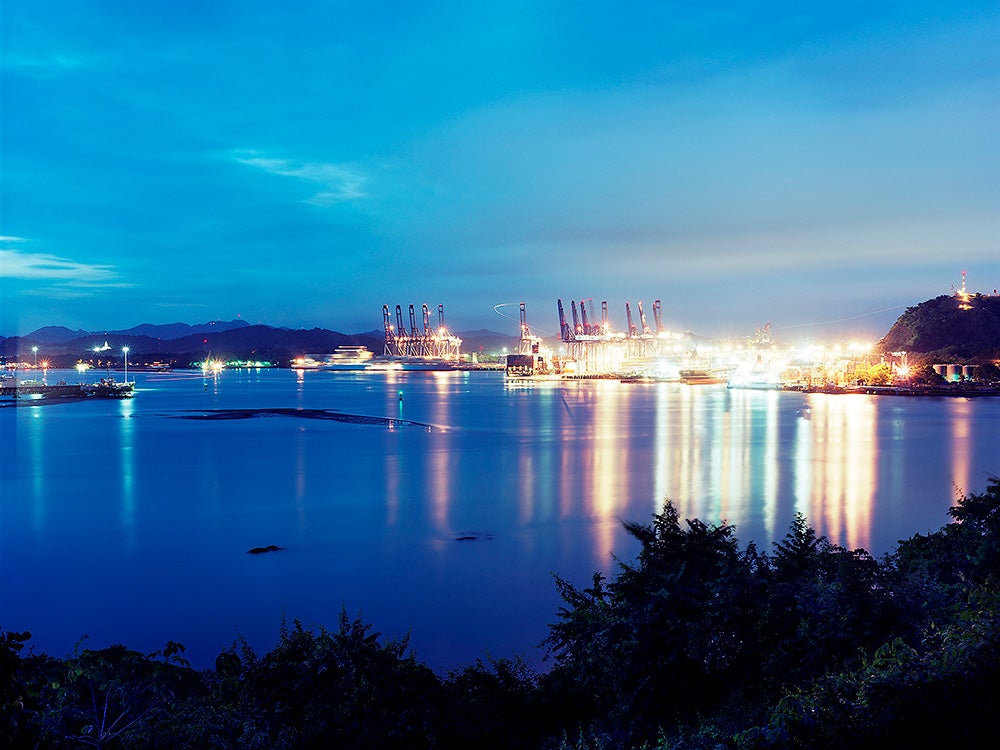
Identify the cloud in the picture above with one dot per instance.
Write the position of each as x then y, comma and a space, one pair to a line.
339, 183
69, 274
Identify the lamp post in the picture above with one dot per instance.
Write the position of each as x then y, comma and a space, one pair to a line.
34, 350
125, 352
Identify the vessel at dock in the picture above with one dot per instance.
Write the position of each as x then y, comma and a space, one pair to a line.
349, 358
704, 377
14, 388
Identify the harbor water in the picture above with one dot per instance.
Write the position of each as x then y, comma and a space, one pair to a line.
434, 504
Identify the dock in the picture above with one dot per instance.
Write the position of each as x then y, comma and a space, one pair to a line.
106, 388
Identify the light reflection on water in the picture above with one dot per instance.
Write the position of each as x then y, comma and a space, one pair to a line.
120, 520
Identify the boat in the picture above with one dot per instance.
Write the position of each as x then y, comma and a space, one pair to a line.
704, 377
757, 377
348, 358
11, 387
410, 364
306, 362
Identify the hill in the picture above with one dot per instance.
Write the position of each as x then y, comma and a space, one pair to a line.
182, 344
55, 335
944, 329
171, 331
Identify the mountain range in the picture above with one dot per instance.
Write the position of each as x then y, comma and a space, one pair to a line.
182, 343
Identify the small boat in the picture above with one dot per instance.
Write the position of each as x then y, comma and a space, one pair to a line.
704, 377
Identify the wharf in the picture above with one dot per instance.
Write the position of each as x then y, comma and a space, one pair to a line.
960, 391
106, 388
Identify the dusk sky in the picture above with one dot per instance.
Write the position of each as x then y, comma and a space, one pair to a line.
302, 164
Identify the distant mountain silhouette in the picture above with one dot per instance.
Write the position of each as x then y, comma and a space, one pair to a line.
54, 335
171, 331
182, 344
940, 330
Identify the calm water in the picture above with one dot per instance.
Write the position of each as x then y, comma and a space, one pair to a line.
126, 522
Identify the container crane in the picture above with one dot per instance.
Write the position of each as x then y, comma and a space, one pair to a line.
428, 334
632, 332
658, 316
564, 330
390, 337
400, 333
417, 344
646, 330
583, 316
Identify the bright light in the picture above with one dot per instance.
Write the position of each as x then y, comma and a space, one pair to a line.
82, 367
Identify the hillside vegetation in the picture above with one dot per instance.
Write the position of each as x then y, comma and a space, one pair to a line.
940, 330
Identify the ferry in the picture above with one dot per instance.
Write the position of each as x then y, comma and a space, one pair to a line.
410, 364
349, 358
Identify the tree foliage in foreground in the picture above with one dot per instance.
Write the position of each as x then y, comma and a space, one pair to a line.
697, 643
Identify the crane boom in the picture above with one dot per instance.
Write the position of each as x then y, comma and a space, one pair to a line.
628, 316
583, 316
658, 316
642, 320
564, 332
389, 337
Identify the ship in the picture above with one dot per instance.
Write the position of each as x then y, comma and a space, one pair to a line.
350, 358
12, 387
704, 377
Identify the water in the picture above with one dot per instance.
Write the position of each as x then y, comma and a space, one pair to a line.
125, 522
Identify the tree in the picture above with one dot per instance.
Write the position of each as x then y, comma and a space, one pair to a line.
987, 372
879, 374
927, 375
344, 689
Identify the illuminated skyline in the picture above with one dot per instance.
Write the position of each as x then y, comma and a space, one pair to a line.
302, 166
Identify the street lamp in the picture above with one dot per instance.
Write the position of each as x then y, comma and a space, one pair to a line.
34, 350
125, 352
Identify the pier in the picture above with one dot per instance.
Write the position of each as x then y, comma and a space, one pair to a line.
106, 388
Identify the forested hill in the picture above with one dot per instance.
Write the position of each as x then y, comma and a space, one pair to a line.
943, 329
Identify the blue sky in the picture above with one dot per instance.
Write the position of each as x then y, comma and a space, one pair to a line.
302, 164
